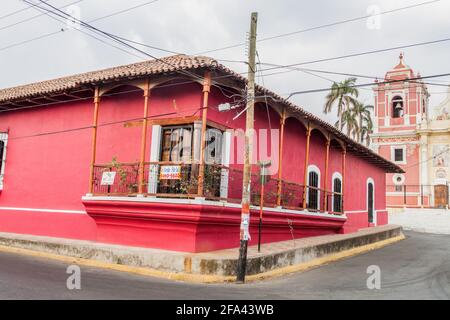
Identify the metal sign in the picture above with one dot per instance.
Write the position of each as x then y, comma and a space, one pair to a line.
170, 173
108, 178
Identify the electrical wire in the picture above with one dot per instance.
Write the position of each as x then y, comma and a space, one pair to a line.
16, 12
369, 84
265, 96
35, 16
319, 27
114, 38
47, 35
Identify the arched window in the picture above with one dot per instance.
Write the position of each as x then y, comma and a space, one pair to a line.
313, 187
371, 200
337, 192
3, 142
397, 107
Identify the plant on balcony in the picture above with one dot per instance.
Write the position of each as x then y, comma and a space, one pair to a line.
124, 174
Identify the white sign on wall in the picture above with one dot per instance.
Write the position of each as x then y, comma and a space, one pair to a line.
108, 178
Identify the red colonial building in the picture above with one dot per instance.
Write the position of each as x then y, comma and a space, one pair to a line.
151, 154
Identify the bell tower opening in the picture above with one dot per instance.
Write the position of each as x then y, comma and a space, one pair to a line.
397, 107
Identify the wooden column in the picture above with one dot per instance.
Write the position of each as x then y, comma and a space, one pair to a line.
344, 152
144, 138
327, 160
305, 181
280, 156
94, 139
201, 175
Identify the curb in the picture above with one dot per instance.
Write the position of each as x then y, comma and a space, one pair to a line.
199, 278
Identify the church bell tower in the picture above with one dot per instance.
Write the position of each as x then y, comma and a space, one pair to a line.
401, 105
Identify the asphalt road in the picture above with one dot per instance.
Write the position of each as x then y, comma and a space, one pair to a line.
415, 268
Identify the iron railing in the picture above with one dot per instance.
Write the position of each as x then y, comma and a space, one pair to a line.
220, 183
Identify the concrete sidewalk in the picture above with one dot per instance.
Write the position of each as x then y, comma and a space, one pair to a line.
422, 220
217, 266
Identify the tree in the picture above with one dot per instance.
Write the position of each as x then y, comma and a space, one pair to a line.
349, 120
362, 114
343, 95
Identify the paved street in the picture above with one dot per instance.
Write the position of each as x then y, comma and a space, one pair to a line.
415, 268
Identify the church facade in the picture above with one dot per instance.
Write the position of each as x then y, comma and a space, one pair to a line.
414, 136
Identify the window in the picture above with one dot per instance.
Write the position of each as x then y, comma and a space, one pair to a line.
370, 201
176, 147
398, 154
213, 146
177, 144
313, 188
337, 194
397, 107
3, 142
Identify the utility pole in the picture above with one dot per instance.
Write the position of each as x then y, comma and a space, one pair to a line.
245, 213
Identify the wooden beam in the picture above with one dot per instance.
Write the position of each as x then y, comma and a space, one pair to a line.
94, 139
280, 156
344, 153
305, 181
72, 96
51, 99
206, 89
144, 138
327, 160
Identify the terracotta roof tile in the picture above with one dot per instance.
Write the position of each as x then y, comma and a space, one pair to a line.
172, 64
167, 64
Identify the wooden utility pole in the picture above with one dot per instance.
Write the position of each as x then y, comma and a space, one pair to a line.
245, 213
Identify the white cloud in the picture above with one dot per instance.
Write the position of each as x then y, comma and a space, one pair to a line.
191, 26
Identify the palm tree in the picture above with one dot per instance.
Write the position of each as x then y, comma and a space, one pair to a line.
362, 113
366, 131
349, 120
342, 94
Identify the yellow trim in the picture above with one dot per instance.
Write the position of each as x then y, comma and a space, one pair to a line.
199, 278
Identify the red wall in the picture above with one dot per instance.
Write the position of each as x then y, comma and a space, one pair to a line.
47, 175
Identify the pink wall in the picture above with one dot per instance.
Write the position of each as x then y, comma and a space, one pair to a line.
47, 175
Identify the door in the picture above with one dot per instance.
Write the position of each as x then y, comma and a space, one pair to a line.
370, 201
441, 196
213, 160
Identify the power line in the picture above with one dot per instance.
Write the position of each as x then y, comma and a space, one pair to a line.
369, 84
359, 54
35, 16
114, 38
319, 27
311, 71
83, 32
47, 35
196, 109
16, 12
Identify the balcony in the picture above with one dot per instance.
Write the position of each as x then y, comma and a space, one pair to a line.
221, 183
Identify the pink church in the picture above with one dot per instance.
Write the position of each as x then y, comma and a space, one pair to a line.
150, 155
405, 132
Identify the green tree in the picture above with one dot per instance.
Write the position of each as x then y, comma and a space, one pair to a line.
342, 95
349, 120
365, 126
